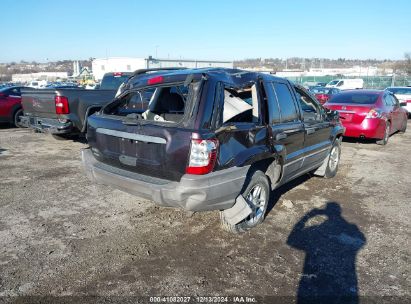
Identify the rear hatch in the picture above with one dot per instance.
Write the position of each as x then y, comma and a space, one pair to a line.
39, 103
154, 142
353, 106
354, 114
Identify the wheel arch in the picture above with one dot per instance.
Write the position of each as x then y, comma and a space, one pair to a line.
14, 110
90, 111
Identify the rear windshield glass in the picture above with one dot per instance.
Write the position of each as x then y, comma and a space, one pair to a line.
111, 82
400, 91
334, 82
355, 98
167, 104
320, 90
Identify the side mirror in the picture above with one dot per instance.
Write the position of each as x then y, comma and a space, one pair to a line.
403, 104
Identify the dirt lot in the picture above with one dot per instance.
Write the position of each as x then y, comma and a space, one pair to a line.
62, 235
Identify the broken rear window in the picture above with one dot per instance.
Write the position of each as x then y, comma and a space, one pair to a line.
166, 103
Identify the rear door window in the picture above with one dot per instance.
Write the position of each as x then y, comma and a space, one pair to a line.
274, 111
240, 104
286, 102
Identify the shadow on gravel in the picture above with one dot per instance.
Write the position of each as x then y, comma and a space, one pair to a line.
330, 244
277, 193
354, 140
64, 138
2, 150
4, 125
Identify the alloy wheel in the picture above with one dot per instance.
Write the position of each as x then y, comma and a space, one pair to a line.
257, 201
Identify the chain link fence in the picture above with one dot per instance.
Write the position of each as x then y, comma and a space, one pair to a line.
370, 82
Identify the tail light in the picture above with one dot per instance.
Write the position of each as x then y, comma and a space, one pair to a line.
408, 101
374, 114
62, 106
322, 97
155, 80
203, 154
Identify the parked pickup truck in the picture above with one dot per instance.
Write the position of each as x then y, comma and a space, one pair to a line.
64, 111
212, 139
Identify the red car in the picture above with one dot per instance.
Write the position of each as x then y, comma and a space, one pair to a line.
10, 105
369, 114
324, 94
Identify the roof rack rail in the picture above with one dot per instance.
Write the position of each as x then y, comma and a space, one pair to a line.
144, 71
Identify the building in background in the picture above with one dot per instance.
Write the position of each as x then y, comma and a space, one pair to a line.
101, 66
48, 76
76, 68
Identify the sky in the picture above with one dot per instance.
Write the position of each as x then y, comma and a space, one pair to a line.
46, 30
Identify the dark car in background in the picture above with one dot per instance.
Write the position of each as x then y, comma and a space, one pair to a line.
10, 105
63, 111
323, 94
372, 114
211, 139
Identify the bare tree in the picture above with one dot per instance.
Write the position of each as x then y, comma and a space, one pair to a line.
407, 64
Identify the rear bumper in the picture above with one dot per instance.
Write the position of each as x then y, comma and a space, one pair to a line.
369, 128
47, 125
213, 191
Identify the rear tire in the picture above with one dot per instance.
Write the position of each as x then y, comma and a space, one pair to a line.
257, 194
334, 160
384, 140
16, 118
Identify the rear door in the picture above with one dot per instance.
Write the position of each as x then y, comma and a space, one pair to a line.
286, 126
317, 139
389, 109
396, 112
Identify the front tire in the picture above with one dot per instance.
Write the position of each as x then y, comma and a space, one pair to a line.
384, 140
333, 160
257, 194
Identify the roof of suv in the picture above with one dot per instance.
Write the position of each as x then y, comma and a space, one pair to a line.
231, 76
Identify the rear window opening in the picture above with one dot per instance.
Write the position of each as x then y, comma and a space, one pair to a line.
162, 103
240, 105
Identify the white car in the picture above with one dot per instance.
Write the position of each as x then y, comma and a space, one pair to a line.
403, 94
346, 84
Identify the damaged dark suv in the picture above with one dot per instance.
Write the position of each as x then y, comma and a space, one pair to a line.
211, 139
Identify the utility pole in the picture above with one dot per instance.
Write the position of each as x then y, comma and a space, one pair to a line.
157, 51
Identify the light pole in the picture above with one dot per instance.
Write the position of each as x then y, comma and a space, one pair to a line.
157, 46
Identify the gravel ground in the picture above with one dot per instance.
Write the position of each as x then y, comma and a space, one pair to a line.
61, 235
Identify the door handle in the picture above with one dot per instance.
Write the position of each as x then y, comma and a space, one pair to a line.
310, 130
280, 136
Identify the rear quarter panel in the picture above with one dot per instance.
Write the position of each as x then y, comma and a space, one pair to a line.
80, 101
